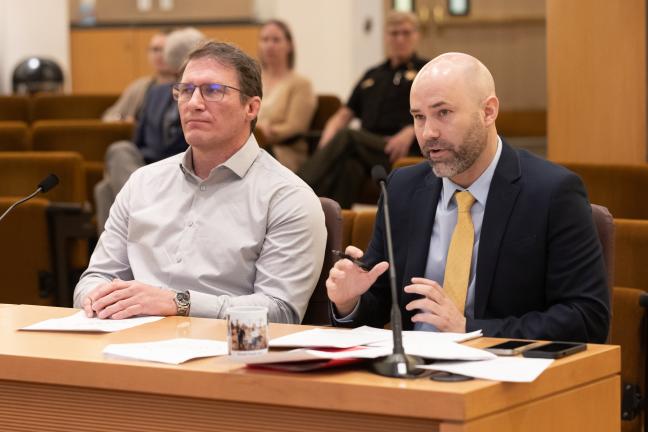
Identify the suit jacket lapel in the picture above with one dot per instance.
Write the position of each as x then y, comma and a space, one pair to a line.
502, 195
421, 220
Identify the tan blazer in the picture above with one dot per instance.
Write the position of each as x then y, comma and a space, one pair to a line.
289, 109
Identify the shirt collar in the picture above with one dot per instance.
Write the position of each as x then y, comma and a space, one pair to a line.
479, 188
239, 163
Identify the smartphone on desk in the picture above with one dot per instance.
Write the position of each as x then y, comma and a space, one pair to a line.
511, 347
555, 350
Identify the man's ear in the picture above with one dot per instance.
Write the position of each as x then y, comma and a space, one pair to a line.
491, 109
253, 107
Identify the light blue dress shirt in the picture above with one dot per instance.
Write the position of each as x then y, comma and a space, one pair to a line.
444, 224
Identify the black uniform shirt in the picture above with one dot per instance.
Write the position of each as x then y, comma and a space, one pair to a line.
381, 98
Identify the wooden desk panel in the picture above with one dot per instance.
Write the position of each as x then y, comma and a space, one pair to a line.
64, 375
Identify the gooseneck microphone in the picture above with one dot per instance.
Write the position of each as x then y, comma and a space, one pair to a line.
45, 185
398, 364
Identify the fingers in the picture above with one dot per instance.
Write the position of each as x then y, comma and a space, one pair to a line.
130, 311
111, 310
87, 307
354, 252
378, 269
113, 296
427, 288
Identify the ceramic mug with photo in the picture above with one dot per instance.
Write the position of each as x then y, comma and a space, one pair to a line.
247, 330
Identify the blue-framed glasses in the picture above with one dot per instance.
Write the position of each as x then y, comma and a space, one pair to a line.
213, 92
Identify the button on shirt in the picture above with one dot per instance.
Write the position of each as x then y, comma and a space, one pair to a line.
444, 224
251, 233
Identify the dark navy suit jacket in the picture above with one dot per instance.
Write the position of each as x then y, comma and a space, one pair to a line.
540, 270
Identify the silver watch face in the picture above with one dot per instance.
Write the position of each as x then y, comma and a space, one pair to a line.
182, 298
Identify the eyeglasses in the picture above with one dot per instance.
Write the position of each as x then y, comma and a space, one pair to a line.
405, 33
214, 92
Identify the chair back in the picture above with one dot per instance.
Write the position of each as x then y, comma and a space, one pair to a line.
629, 320
348, 217
14, 136
327, 105
20, 172
605, 229
317, 312
363, 226
60, 106
14, 108
617, 187
25, 262
90, 138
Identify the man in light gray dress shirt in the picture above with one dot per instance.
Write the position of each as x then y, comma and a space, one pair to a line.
223, 224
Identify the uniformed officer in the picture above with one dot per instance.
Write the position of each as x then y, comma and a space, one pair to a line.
344, 157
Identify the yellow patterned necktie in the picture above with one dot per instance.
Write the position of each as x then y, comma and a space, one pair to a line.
457, 270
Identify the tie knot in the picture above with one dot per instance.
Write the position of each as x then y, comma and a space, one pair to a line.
465, 200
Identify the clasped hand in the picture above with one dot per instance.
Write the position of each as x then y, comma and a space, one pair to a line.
124, 299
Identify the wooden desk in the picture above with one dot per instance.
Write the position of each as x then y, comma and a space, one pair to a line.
60, 381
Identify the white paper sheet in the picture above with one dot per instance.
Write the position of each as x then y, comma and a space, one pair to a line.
79, 322
171, 351
302, 354
332, 338
423, 336
509, 369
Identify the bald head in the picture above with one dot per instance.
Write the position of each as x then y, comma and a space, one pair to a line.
454, 107
463, 72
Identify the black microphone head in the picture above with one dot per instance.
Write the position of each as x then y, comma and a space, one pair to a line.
378, 173
48, 183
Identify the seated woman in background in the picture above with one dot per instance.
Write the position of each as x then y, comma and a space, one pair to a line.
288, 98
130, 101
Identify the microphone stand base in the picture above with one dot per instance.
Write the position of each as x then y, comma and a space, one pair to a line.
398, 366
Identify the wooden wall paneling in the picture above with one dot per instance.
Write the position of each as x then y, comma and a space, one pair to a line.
102, 60
596, 57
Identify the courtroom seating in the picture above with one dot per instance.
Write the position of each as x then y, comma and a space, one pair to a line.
25, 262
70, 106
617, 187
15, 108
363, 225
522, 123
327, 105
629, 318
90, 138
407, 161
348, 217
20, 172
524, 129
604, 223
317, 312
14, 136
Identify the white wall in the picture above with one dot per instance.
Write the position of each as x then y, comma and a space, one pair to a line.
32, 27
333, 49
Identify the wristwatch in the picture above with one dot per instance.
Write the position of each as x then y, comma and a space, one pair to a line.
183, 303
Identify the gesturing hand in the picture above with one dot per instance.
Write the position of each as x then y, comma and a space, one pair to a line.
347, 282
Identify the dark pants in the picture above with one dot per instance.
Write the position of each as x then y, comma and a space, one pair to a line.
342, 167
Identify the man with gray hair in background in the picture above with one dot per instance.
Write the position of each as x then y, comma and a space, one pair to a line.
222, 224
158, 134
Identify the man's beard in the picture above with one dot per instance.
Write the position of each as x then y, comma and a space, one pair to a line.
459, 160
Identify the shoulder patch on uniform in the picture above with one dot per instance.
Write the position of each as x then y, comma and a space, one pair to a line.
410, 74
367, 83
